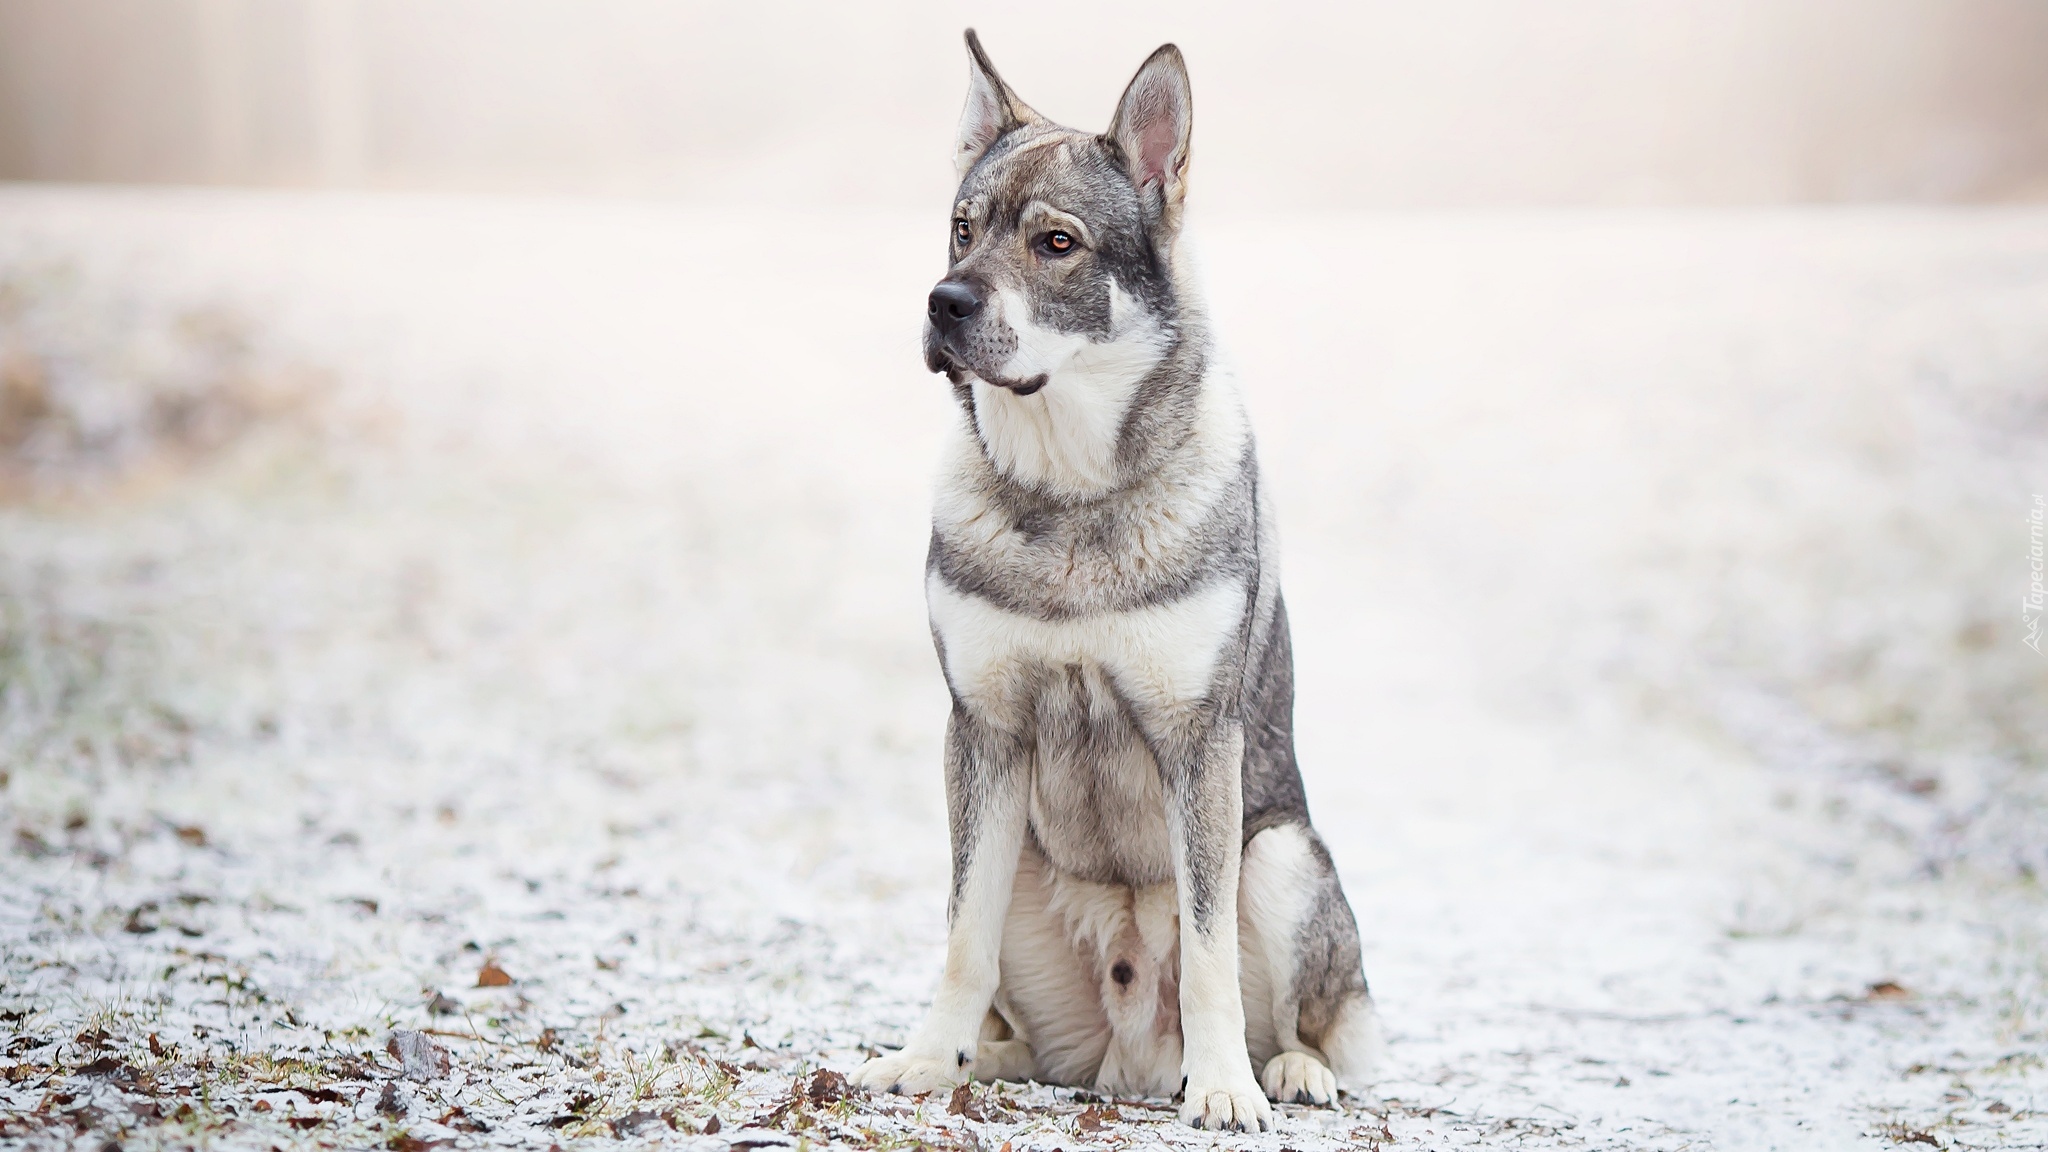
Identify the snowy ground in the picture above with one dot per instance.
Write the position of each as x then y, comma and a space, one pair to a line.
398, 592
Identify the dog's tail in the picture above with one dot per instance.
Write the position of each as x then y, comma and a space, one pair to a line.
1356, 1046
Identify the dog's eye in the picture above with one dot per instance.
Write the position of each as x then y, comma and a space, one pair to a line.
962, 232
1058, 243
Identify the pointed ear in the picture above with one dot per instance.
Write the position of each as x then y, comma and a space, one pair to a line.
1151, 129
992, 109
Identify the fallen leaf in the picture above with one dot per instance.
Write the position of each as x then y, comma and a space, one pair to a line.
492, 976
634, 1123
390, 1101
421, 1058
1889, 990
962, 1103
1093, 1119
193, 834
711, 1126
828, 1086
462, 1121
323, 1095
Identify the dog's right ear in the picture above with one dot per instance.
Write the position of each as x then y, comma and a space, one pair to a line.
992, 109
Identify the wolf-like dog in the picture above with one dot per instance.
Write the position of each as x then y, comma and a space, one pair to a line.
1139, 904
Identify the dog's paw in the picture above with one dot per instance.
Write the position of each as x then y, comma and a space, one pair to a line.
1298, 1078
909, 1075
1227, 1107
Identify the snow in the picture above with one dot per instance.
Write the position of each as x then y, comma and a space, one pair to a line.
555, 603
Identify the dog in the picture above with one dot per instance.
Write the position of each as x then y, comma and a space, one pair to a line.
1139, 904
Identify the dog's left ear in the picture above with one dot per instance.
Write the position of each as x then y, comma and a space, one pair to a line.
1151, 131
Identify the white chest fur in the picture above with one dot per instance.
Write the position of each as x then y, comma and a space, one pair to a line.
1158, 655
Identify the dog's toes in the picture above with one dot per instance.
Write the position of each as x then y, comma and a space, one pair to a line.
1226, 1109
1299, 1078
908, 1075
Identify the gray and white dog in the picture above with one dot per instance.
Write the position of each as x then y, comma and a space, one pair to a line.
1139, 904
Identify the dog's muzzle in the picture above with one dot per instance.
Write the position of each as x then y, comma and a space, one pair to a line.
951, 305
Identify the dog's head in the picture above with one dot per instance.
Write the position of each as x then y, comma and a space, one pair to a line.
1060, 258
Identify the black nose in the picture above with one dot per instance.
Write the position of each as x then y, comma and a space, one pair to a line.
951, 303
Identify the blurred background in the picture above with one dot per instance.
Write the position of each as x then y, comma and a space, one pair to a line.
1373, 104
464, 484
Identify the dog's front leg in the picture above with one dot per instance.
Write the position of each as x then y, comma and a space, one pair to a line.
987, 774
1205, 814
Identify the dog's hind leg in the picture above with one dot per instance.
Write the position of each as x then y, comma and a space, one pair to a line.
1002, 1054
1052, 1027
1309, 1021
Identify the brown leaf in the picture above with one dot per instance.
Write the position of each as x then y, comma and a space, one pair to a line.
304, 1123
108, 1066
962, 1103
1093, 1119
323, 1095
827, 1086
391, 1102
711, 1126
193, 834
635, 1123
1889, 990
492, 976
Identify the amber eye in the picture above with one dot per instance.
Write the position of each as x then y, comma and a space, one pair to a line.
962, 233
1058, 241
